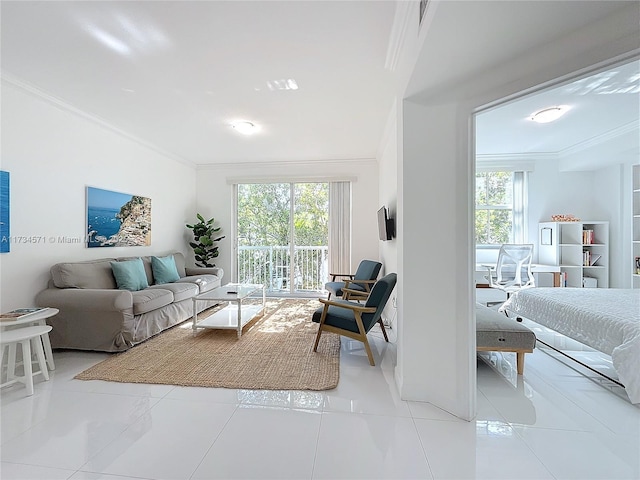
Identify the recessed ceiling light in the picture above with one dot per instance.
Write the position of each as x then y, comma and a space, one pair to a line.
244, 127
549, 114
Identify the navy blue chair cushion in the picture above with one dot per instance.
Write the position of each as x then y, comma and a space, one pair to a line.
367, 270
338, 317
336, 288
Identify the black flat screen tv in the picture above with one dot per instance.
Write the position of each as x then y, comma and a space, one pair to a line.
386, 225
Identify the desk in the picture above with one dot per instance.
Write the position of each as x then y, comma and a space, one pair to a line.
535, 268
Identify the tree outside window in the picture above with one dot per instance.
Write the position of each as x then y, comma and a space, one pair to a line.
273, 247
494, 208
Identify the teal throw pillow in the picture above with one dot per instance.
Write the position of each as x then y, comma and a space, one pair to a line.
130, 275
164, 269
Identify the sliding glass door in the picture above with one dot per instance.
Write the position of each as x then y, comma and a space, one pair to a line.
282, 238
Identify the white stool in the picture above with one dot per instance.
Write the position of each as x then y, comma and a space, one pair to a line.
26, 337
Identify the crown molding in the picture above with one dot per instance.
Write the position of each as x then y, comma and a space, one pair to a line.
631, 127
337, 163
63, 105
516, 157
398, 33
291, 179
490, 160
512, 161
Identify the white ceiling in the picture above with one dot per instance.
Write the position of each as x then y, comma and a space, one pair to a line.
604, 107
173, 74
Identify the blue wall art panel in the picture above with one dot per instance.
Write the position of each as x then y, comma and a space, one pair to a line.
117, 219
5, 211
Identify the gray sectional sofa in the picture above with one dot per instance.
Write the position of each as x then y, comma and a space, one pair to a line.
96, 315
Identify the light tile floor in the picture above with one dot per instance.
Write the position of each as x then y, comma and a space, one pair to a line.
554, 422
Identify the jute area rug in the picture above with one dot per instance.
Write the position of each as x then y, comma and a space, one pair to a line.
275, 352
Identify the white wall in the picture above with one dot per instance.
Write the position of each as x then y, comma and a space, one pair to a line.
436, 360
52, 154
436, 345
215, 198
589, 195
609, 205
553, 192
388, 196
388, 168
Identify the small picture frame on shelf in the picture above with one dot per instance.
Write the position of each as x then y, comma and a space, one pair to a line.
638, 265
545, 236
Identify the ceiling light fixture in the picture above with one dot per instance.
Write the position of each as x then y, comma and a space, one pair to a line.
549, 114
244, 127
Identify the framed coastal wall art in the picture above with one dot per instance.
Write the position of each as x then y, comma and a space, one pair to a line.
117, 219
5, 210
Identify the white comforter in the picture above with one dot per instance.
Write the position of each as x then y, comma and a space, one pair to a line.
606, 319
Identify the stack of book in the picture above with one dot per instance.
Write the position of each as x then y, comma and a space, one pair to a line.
18, 313
563, 279
587, 237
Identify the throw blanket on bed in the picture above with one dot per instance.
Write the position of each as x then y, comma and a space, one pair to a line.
606, 319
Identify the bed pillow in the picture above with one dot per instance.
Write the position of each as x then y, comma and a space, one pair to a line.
164, 270
130, 275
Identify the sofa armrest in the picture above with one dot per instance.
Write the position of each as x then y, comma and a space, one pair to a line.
217, 271
89, 299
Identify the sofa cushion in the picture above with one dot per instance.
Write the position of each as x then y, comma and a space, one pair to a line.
164, 270
181, 290
130, 275
150, 299
180, 263
88, 274
146, 262
204, 282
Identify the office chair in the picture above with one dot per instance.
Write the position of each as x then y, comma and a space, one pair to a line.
512, 271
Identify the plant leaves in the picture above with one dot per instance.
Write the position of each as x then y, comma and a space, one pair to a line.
203, 244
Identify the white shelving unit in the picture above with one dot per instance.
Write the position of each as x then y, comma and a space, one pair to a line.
635, 227
584, 261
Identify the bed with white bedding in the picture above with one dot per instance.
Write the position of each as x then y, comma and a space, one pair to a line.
606, 319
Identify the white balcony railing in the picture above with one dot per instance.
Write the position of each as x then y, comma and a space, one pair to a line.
272, 266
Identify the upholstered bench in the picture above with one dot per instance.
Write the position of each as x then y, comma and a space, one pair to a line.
495, 332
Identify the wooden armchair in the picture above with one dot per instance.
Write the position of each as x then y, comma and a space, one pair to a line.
359, 284
354, 320
352, 289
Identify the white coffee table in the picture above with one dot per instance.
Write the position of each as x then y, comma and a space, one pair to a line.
37, 318
236, 314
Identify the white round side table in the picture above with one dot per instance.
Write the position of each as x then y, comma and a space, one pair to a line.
38, 318
26, 337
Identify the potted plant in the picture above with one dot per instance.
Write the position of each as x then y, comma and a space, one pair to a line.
204, 246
